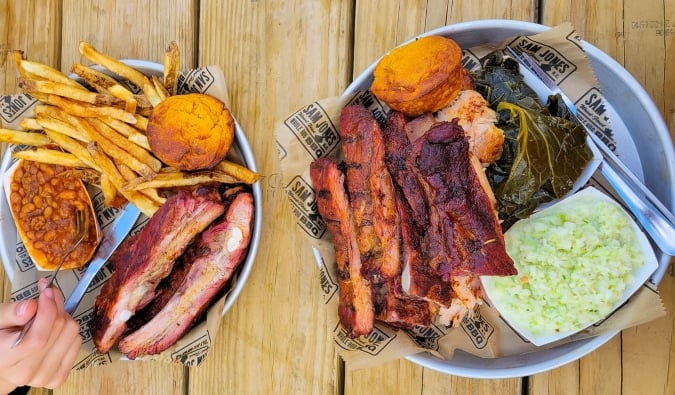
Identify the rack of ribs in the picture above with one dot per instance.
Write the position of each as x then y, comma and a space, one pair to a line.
208, 265
143, 261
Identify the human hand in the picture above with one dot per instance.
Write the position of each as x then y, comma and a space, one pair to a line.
45, 356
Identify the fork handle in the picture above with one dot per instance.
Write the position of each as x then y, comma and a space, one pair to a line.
652, 219
23, 332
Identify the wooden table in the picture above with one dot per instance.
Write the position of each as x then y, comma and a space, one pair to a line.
277, 56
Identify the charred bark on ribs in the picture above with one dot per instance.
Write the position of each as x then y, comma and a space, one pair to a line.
213, 258
419, 213
143, 261
355, 306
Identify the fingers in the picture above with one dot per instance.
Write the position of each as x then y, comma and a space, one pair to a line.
57, 363
49, 319
47, 353
16, 314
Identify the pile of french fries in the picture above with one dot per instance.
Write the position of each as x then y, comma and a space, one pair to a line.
100, 133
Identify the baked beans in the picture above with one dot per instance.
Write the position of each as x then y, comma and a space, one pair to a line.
43, 204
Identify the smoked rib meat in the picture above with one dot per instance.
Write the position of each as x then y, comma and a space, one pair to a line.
355, 306
211, 260
147, 259
468, 235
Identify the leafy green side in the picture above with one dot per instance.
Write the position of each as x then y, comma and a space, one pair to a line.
543, 154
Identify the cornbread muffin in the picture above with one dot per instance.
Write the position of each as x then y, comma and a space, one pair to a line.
421, 76
190, 132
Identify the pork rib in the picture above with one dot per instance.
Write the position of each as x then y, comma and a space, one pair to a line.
213, 258
420, 275
371, 192
355, 306
461, 210
143, 263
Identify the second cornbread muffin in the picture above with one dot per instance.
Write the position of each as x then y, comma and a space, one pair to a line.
421, 76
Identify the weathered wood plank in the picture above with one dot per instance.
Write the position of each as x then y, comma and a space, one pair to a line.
278, 56
639, 36
128, 29
22, 26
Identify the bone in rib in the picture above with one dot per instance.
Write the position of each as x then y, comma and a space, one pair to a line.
355, 306
212, 259
149, 259
371, 193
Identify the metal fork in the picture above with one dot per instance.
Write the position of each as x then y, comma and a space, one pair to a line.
653, 215
80, 231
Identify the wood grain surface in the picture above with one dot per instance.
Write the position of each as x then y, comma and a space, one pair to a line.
277, 56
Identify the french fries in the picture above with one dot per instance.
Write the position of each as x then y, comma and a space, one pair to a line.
50, 156
180, 179
86, 110
29, 124
121, 69
110, 196
65, 90
47, 73
238, 171
24, 138
134, 150
107, 166
99, 135
171, 68
103, 83
73, 146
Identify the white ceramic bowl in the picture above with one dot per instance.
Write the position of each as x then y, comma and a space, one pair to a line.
656, 160
241, 149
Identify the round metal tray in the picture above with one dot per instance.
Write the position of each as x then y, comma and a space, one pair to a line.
648, 141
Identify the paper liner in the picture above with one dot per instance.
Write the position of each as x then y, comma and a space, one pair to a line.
193, 347
312, 132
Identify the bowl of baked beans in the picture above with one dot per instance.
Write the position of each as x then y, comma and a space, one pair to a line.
43, 200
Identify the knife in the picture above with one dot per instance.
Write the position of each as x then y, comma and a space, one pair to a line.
109, 244
653, 215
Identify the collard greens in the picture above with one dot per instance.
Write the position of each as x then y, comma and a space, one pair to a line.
544, 151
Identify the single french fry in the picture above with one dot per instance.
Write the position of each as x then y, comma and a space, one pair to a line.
17, 56
95, 77
87, 110
48, 73
23, 138
46, 155
123, 143
159, 87
63, 90
238, 171
73, 146
142, 202
111, 197
107, 83
122, 128
141, 122
29, 124
141, 140
134, 76
181, 179
171, 68
61, 126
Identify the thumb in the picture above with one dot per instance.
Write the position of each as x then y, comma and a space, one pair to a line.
17, 313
